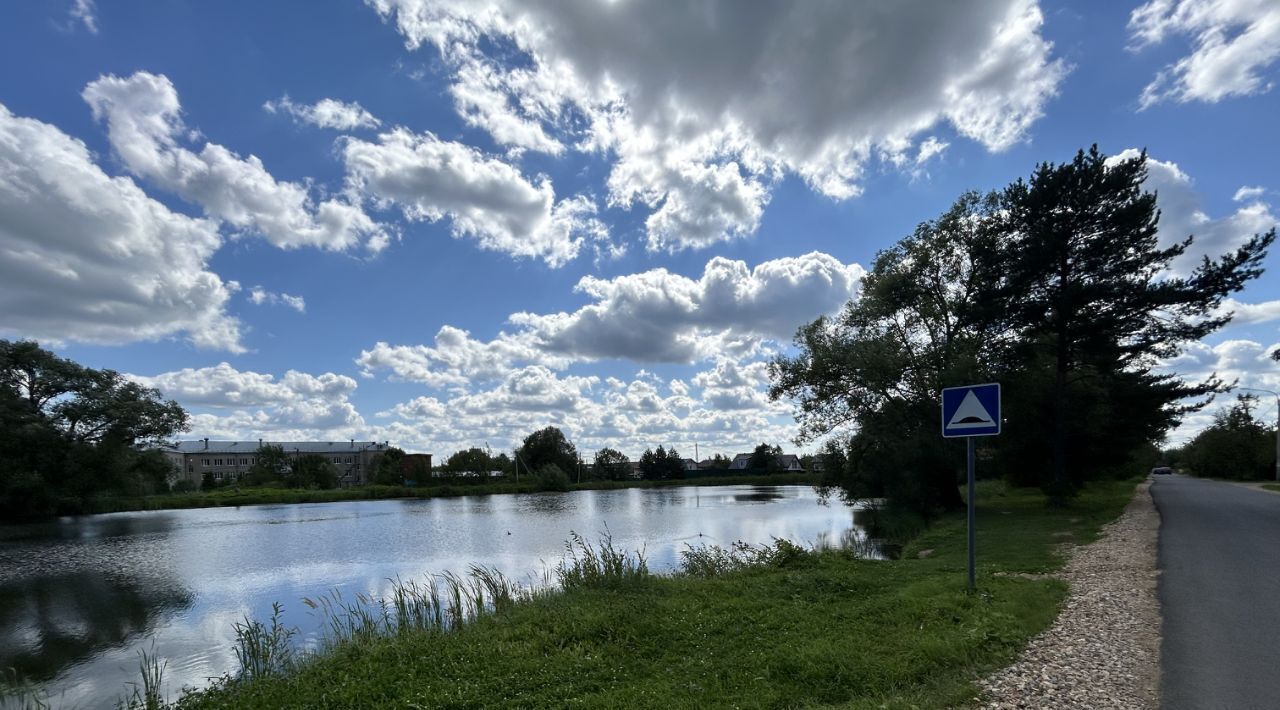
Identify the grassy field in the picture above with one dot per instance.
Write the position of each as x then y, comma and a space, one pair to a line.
1271, 486
800, 628
276, 496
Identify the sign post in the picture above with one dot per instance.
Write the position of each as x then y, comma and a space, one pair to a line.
969, 412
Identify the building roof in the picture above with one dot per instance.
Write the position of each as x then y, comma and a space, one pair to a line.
246, 447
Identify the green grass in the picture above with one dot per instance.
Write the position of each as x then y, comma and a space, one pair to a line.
1271, 486
229, 497
794, 629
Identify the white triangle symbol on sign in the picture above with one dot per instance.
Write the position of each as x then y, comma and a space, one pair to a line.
970, 414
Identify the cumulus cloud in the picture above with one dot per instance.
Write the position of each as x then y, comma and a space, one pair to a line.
1182, 214
629, 416
325, 113
251, 405
260, 296
654, 316
1247, 363
702, 108
1233, 44
89, 257
484, 198
145, 128
1251, 313
657, 316
455, 359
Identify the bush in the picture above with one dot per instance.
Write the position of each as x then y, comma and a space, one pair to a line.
551, 478
183, 486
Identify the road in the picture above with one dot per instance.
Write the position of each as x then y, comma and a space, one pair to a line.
1220, 593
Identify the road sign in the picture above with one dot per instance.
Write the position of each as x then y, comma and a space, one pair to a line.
968, 412
973, 410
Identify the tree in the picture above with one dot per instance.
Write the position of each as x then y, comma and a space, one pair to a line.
551, 477
1235, 446
548, 446
1089, 291
312, 471
652, 463
919, 324
765, 459
387, 467
271, 463
1056, 287
474, 461
612, 465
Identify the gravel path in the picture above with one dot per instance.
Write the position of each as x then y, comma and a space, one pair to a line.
1104, 649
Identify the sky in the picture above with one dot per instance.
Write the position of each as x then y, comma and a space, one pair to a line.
449, 224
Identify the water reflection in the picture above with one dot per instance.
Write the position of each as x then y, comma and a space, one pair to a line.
49, 622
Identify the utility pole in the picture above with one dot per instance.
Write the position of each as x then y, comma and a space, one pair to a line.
1277, 396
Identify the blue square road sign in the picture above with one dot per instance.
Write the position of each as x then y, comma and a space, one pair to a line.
973, 410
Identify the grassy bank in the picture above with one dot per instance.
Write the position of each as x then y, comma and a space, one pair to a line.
800, 628
277, 496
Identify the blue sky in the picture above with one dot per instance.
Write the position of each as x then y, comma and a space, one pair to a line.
448, 224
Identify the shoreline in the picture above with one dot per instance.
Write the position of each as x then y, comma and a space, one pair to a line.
293, 496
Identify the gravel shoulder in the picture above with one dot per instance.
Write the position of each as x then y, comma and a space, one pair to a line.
1103, 651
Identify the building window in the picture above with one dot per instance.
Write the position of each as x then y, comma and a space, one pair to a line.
204, 462
348, 459
244, 462
337, 459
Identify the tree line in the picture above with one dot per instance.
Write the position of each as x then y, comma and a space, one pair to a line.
1055, 286
1237, 445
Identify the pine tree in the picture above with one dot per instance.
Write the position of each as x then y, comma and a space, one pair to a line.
1089, 289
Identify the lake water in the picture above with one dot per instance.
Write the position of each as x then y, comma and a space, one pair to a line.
80, 597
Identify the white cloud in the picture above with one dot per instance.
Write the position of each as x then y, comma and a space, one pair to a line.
259, 296
89, 257
1233, 42
146, 130
1251, 313
485, 198
657, 316
1181, 214
1245, 362
1246, 193
325, 113
455, 359
84, 12
702, 108
296, 406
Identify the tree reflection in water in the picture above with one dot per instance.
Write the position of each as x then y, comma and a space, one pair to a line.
50, 622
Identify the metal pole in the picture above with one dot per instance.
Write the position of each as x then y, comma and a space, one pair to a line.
1277, 396
970, 511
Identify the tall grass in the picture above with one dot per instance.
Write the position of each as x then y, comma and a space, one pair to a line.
264, 650
602, 564
148, 693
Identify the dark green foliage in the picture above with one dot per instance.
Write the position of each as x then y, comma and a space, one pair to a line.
765, 459
272, 465
312, 471
69, 433
551, 478
547, 446
1088, 295
611, 465
661, 465
1236, 446
1057, 288
387, 467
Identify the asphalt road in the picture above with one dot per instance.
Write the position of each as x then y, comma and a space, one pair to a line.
1220, 593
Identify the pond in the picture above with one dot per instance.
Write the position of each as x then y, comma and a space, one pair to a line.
81, 597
